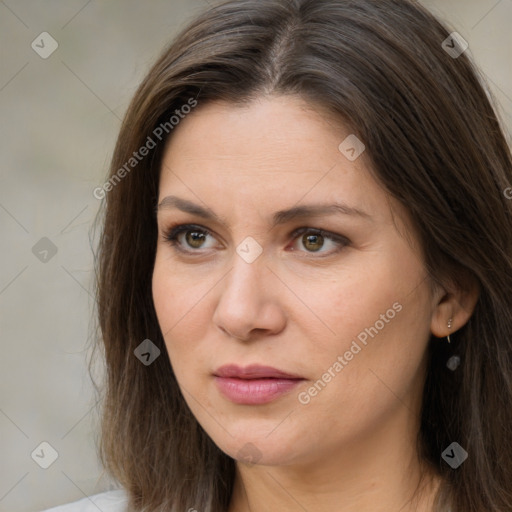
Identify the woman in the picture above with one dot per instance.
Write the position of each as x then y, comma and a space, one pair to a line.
305, 270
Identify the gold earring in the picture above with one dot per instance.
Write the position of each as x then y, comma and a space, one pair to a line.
449, 327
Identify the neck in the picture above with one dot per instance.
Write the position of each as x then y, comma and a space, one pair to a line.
373, 474
271, 489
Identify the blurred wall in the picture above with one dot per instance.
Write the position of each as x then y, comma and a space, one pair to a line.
59, 119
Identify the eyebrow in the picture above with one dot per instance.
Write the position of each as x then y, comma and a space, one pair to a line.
279, 217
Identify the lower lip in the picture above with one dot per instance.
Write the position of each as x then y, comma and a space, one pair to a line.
254, 391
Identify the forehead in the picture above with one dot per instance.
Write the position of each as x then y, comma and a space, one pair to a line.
273, 152
279, 122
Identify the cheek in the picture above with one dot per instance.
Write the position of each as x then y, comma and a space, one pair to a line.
165, 294
341, 303
180, 307
379, 323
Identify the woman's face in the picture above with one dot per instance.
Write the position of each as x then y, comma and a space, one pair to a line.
347, 311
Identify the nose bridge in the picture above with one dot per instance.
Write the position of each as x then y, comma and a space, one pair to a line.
246, 277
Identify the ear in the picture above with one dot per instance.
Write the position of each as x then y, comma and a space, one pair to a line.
452, 302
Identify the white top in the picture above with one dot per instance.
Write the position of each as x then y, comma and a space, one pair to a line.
110, 501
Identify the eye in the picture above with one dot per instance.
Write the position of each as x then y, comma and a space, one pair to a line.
314, 240
194, 237
190, 238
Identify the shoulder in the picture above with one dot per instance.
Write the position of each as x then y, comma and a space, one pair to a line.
110, 501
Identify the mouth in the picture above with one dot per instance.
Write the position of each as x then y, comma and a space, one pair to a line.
254, 384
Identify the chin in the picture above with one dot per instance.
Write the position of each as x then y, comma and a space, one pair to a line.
260, 448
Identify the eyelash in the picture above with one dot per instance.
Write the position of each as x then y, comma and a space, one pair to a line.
172, 233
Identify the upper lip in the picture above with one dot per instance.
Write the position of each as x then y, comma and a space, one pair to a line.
253, 371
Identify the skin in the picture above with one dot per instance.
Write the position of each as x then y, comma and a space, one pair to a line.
352, 447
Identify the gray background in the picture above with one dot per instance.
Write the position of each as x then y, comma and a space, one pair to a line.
59, 121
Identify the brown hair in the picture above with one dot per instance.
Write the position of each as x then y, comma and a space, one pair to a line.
435, 144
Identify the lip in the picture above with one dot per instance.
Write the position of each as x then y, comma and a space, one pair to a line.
253, 371
254, 384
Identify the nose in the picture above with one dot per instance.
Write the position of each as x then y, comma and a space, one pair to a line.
249, 306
